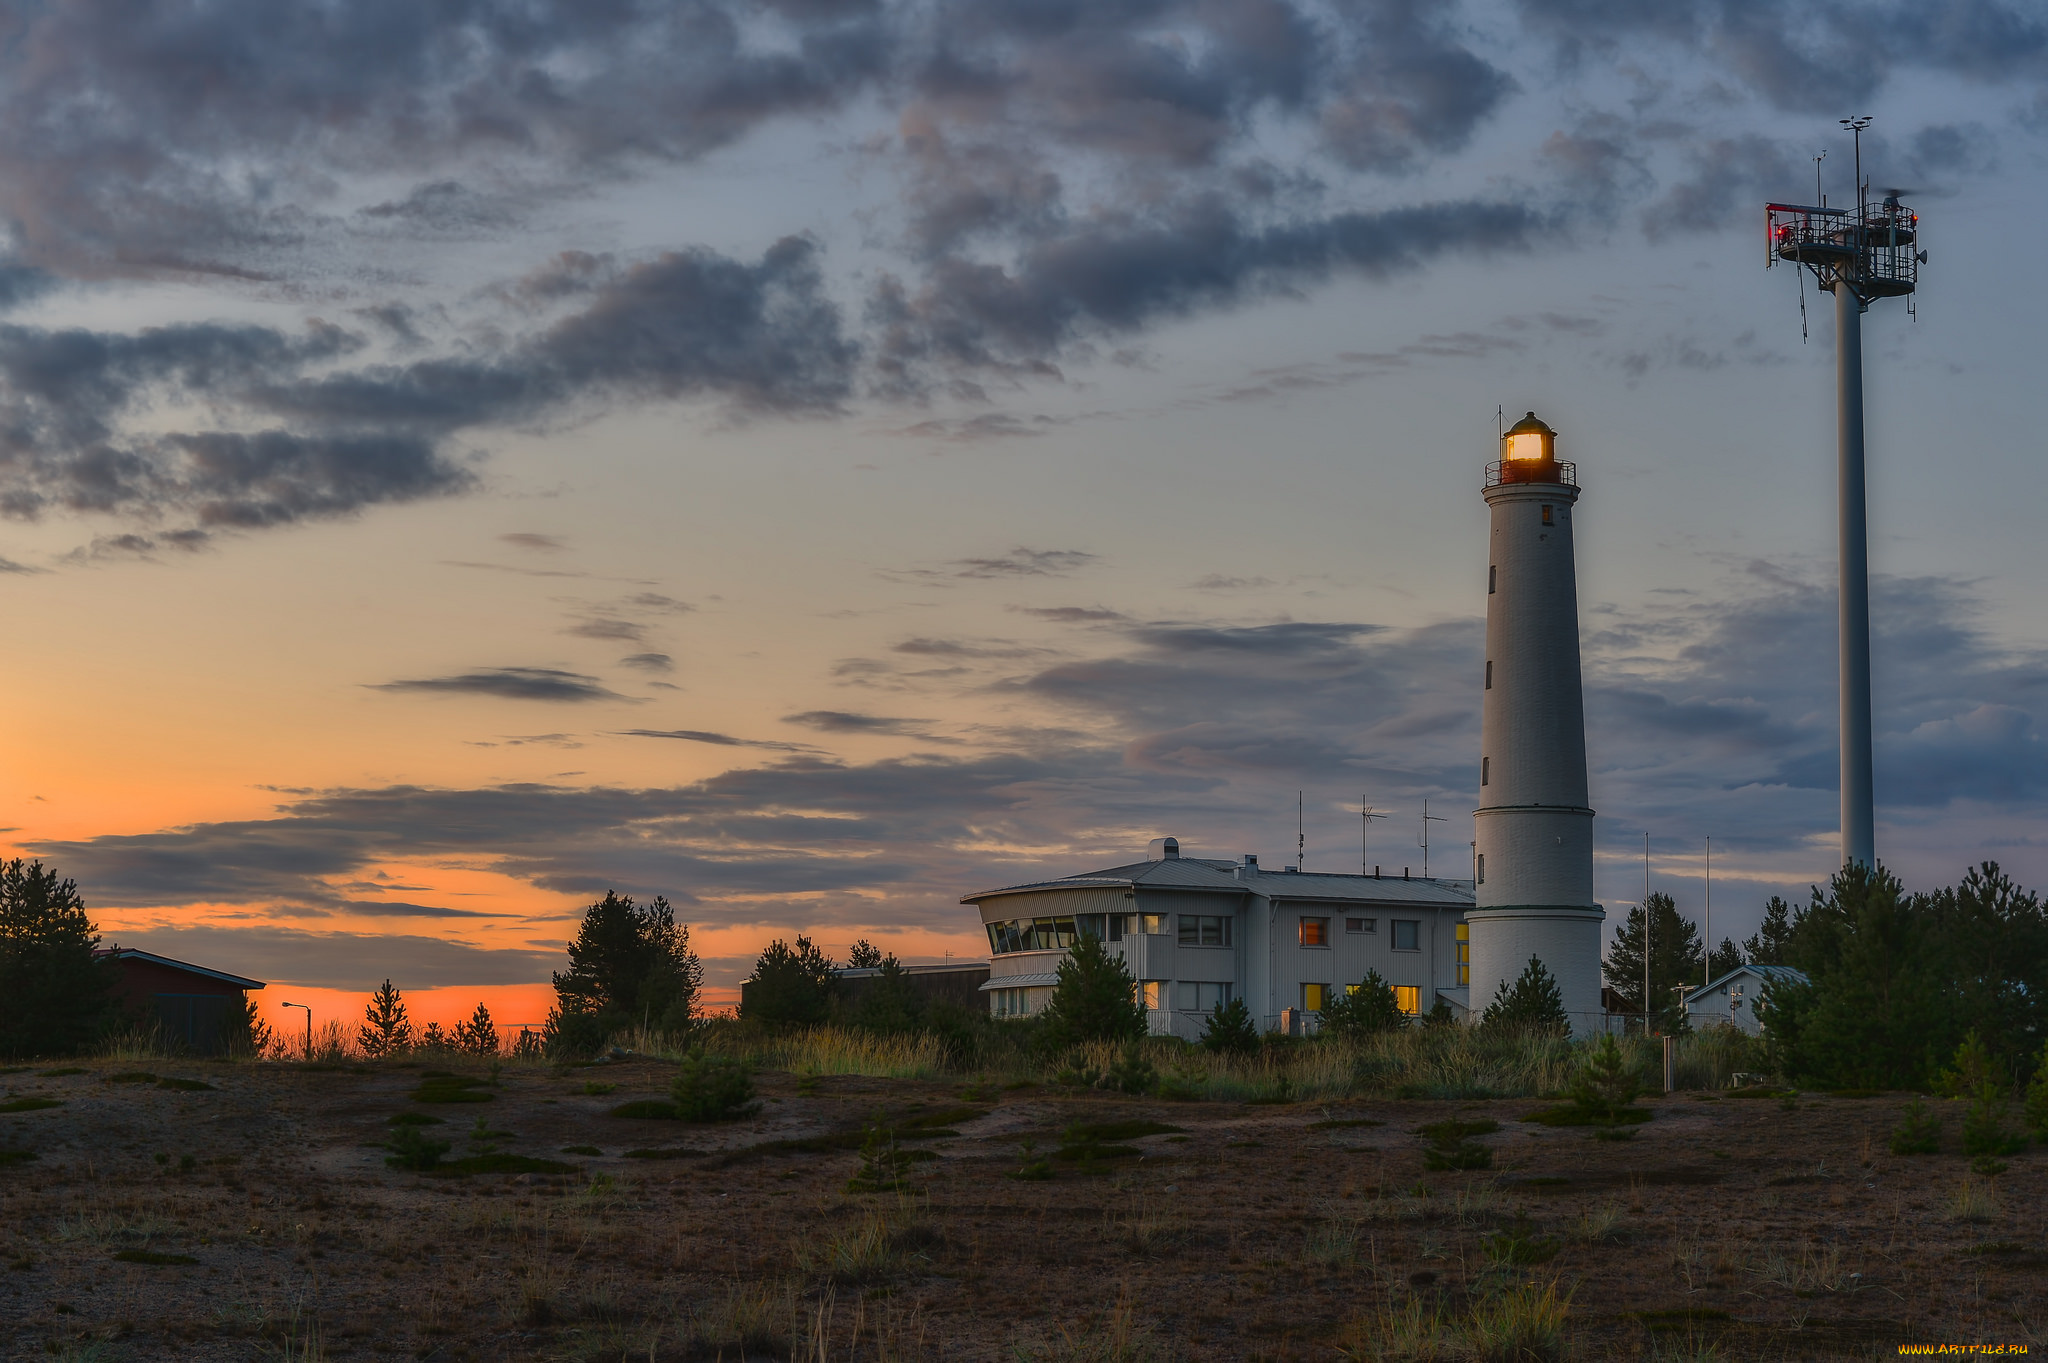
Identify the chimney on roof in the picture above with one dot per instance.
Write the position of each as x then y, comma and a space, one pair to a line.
1165, 849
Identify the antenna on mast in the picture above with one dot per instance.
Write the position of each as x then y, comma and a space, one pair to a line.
1364, 854
1300, 834
1860, 255
1428, 819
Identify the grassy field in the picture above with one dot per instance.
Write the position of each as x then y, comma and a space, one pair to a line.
1296, 1207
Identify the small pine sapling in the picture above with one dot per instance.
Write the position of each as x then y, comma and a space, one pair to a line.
386, 1031
1230, 1030
713, 1088
412, 1149
2037, 1100
1604, 1084
1132, 1073
883, 1163
1363, 1009
1919, 1133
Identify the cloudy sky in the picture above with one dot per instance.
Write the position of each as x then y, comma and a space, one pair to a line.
815, 458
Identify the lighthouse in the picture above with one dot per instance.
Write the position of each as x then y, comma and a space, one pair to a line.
1534, 828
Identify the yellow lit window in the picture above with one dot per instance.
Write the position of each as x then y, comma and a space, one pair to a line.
1408, 998
1315, 932
1465, 949
1315, 997
1152, 992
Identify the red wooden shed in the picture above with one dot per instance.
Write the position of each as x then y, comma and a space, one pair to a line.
190, 1002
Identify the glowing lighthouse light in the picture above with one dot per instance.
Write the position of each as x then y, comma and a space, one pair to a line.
1529, 439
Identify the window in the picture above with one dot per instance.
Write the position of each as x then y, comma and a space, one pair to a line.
1204, 930
1152, 924
1152, 993
1489, 674
1117, 922
1480, 864
1089, 925
1315, 997
1465, 947
1361, 925
1315, 932
1492, 577
1485, 770
1011, 1003
1546, 515
1407, 934
1408, 998
1199, 996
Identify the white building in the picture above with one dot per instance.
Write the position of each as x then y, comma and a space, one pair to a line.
1195, 933
1731, 1000
1534, 827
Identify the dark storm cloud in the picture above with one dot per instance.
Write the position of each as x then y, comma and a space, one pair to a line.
509, 683
1818, 58
716, 739
846, 722
760, 336
392, 908
344, 960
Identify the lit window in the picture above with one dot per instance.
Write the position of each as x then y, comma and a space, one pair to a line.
1152, 924
1200, 996
1408, 998
1315, 997
1465, 941
1546, 515
1361, 925
1152, 993
1315, 932
1407, 934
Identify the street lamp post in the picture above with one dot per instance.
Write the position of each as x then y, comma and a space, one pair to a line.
309, 1024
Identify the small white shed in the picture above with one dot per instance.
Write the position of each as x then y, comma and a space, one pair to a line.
1731, 1000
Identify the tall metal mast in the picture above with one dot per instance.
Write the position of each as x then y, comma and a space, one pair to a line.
1860, 255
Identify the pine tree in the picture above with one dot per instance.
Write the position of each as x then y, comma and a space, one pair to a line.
630, 966
59, 996
386, 1031
478, 1036
1771, 941
1229, 1030
1094, 998
1530, 1005
790, 986
434, 1039
864, 956
244, 1031
1674, 960
1369, 1007
891, 1004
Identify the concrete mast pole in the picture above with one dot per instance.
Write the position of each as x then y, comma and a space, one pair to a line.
1859, 818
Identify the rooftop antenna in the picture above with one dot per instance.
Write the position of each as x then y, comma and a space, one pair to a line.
1428, 819
1300, 834
1860, 255
1364, 853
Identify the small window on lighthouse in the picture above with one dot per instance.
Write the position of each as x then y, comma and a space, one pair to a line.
1485, 770
1489, 674
1546, 516
1482, 875
1492, 577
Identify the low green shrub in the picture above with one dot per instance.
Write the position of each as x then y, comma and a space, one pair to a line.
1570, 1114
672, 1152
884, 1165
8, 1157
584, 1150
1132, 1072
132, 1077
413, 1119
185, 1085
713, 1088
30, 1104
2035, 1106
60, 1073
500, 1164
1451, 1147
1081, 1132
151, 1256
1517, 1245
647, 1110
412, 1150
440, 1086
1985, 1128
1229, 1030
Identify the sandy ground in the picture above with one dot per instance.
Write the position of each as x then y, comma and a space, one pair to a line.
1760, 1228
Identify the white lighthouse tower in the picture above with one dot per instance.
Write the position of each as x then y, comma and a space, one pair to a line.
1535, 831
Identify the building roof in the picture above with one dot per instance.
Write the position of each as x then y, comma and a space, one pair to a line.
137, 954
1201, 873
855, 972
1774, 974
1039, 980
